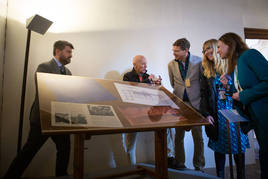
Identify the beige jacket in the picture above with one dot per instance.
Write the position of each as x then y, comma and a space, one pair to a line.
193, 74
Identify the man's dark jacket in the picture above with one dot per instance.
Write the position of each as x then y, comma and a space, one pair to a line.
134, 77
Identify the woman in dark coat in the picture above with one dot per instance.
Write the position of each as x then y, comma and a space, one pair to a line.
251, 82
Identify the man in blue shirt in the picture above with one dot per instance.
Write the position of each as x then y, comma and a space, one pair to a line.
62, 52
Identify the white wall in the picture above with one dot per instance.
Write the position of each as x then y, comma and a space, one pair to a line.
106, 35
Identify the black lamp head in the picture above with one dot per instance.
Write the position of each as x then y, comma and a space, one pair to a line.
38, 24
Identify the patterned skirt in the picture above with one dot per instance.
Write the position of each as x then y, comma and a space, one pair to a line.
221, 144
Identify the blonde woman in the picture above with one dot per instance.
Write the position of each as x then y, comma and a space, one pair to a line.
216, 96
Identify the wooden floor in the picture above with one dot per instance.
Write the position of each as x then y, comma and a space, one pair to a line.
252, 172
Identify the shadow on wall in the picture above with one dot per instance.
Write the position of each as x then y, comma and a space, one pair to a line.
115, 75
2, 46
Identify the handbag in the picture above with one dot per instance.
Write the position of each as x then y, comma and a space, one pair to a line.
212, 130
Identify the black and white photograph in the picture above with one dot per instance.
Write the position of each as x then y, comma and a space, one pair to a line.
62, 118
100, 110
78, 119
83, 115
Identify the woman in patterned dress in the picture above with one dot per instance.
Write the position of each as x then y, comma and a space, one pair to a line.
214, 97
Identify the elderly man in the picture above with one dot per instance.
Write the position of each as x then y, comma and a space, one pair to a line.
138, 74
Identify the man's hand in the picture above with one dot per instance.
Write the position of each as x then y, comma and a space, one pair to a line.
155, 80
158, 80
236, 96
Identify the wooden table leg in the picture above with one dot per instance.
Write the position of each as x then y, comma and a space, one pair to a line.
161, 164
79, 156
230, 150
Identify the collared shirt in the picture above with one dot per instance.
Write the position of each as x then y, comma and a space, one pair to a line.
140, 77
58, 63
236, 82
183, 66
61, 67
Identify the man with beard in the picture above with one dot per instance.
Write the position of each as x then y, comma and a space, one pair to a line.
62, 52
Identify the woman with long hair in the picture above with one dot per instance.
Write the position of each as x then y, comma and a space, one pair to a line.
251, 82
214, 97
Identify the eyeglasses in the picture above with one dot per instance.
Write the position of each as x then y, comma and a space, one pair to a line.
204, 51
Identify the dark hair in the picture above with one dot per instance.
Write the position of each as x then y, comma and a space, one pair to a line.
61, 44
236, 46
183, 43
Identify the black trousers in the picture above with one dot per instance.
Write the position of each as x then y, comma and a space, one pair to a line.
220, 165
34, 143
262, 138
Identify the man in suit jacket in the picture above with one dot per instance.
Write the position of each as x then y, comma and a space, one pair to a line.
137, 74
62, 52
184, 75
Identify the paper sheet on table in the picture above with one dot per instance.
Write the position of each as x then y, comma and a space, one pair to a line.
85, 115
146, 96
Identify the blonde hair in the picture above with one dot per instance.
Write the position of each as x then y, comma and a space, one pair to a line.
217, 65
